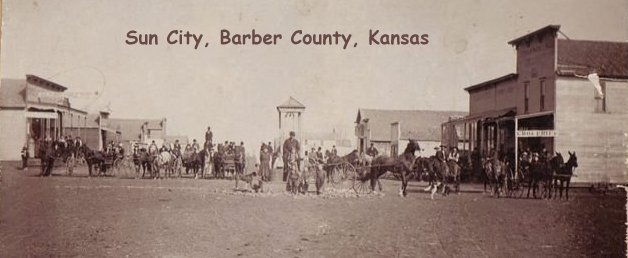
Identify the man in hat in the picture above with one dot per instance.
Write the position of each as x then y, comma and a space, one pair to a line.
440, 156
372, 151
240, 161
152, 148
195, 146
289, 145
208, 137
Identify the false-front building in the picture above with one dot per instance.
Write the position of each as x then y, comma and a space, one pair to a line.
566, 95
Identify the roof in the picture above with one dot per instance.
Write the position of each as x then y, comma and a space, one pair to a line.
12, 93
292, 103
507, 77
422, 125
541, 31
172, 138
36, 80
132, 128
581, 57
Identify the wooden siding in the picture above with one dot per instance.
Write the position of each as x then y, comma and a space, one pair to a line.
599, 139
12, 134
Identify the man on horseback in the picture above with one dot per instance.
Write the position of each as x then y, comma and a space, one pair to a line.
152, 148
195, 146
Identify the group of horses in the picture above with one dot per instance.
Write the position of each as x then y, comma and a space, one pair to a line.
547, 177
199, 163
406, 166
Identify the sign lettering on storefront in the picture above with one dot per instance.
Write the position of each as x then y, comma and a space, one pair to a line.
536, 133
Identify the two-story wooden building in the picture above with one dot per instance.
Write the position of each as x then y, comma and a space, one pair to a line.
33, 109
551, 102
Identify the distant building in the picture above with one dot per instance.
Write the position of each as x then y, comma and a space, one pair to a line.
390, 130
327, 140
553, 102
96, 132
140, 130
144, 131
31, 110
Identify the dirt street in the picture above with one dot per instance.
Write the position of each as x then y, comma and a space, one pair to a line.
80, 216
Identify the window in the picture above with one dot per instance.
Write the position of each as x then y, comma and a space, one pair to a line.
526, 86
542, 88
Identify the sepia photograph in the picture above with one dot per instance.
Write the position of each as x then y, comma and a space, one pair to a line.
313, 128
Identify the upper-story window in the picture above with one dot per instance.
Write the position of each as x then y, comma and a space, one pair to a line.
542, 89
526, 87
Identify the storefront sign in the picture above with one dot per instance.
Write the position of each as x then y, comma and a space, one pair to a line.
536, 133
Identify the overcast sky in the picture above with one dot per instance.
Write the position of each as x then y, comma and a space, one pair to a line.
235, 89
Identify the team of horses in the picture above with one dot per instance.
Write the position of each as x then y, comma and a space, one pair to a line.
551, 177
172, 163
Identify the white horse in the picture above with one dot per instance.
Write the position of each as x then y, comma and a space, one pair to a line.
163, 160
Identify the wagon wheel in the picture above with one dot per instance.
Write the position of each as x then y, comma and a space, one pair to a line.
70, 163
359, 179
520, 188
115, 167
338, 173
127, 167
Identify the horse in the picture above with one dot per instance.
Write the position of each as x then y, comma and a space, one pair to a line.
453, 175
145, 161
539, 174
496, 172
218, 164
199, 163
562, 172
94, 159
163, 160
431, 169
402, 165
189, 160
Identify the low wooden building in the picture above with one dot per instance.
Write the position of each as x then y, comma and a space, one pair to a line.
552, 102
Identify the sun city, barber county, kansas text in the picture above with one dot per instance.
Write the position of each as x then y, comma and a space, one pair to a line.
297, 37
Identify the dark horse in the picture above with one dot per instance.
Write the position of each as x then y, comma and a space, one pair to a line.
563, 172
94, 159
438, 174
402, 165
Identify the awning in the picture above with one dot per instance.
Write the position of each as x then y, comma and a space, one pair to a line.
40, 114
493, 115
109, 130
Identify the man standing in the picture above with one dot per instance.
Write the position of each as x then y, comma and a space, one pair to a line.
25, 155
372, 151
240, 158
208, 137
334, 152
289, 145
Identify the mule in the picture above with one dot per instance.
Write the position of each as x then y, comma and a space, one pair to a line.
562, 172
